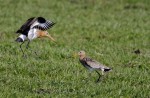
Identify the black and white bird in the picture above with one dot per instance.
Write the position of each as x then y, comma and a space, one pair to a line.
92, 65
33, 28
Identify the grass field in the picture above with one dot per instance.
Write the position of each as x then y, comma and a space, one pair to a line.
108, 30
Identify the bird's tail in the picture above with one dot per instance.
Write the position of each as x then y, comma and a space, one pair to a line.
21, 38
107, 69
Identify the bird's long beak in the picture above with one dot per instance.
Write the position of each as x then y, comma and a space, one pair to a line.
45, 34
50, 37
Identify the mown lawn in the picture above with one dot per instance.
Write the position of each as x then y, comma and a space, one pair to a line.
110, 31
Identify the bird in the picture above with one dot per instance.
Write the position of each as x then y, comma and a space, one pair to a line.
34, 27
92, 65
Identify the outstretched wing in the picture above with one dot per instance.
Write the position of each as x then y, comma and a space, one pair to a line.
26, 26
44, 26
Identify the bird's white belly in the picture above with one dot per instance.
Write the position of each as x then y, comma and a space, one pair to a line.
32, 34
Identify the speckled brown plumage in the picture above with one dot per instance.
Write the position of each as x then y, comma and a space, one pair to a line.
91, 64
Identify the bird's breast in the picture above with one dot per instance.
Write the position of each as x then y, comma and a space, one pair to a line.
32, 34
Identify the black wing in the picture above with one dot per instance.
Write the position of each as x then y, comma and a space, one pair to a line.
44, 26
84, 62
26, 26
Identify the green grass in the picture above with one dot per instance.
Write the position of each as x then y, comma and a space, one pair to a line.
108, 30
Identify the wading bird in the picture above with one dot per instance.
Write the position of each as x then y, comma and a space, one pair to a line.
34, 28
91, 64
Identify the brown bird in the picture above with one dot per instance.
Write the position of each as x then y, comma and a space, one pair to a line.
92, 65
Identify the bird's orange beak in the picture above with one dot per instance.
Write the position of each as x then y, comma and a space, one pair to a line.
50, 37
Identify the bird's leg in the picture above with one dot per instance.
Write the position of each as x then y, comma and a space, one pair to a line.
27, 47
99, 76
22, 49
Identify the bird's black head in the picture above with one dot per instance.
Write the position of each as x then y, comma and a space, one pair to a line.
19, 39
41, 20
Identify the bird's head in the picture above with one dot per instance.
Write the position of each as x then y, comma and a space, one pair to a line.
81, 54
45, 34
